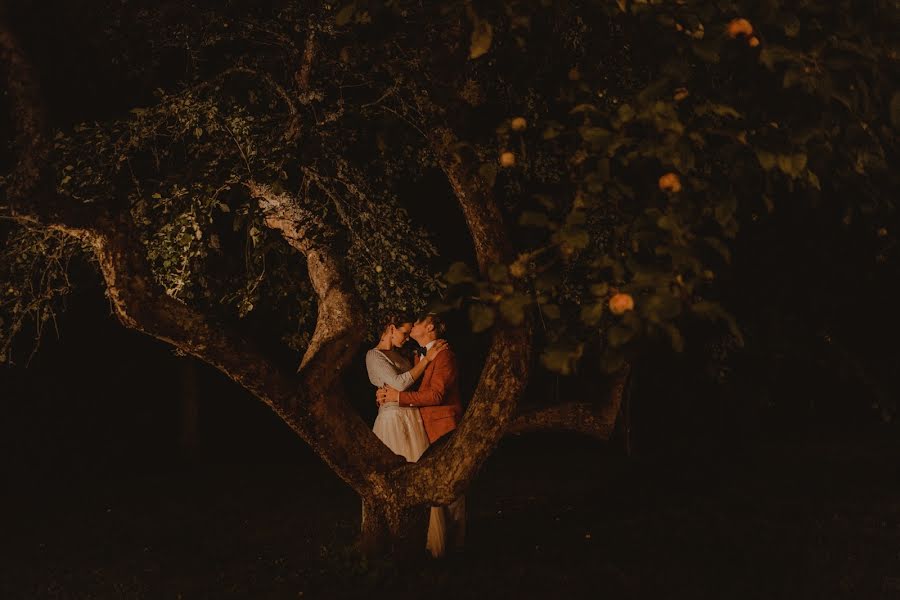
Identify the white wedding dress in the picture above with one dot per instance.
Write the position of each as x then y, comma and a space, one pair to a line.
402, 430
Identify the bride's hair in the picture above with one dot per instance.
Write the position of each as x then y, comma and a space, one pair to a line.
395, 319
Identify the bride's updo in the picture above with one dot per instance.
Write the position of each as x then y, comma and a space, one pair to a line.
400, 333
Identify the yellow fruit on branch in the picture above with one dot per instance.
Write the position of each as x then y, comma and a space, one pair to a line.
621, 303
753, 42
519, 123
738, 27
507, 159
670, 182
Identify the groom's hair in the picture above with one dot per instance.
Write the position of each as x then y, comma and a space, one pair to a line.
440, 326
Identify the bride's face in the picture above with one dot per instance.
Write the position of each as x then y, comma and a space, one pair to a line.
400, 334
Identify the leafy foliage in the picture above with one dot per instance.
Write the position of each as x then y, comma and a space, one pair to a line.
629, 142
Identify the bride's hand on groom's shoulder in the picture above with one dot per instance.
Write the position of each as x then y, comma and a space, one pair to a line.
438, 347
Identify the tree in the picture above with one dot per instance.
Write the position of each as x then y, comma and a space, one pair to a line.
627, 140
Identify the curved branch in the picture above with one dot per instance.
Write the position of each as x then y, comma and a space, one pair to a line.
440, 477
140, 303
339, 332
576, 417
587, 418
302, 76
330, 427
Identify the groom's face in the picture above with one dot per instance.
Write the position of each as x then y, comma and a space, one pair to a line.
421, 329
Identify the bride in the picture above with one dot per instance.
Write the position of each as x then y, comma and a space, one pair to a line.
400, 428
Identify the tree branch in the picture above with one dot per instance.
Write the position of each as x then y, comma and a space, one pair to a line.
313, 407
590, 418
302, 75
441, 476
339, 332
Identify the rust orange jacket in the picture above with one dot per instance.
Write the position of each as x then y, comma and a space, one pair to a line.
437, 396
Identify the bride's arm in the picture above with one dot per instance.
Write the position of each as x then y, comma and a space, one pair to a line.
382, 371
419, 367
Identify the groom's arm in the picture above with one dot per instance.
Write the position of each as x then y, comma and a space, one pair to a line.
433, 392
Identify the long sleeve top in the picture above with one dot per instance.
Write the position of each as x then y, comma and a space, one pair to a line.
382, 370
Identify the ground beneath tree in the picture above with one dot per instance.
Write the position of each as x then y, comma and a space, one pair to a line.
548, 518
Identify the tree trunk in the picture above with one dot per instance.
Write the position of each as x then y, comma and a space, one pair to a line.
388, 529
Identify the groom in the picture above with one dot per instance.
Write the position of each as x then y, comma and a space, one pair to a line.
438, 401
437, 396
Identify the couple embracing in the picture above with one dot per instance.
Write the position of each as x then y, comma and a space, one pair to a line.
418, 403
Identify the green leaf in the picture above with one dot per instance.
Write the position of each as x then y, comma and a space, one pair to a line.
661, 307
562, 359
619, 336
789, 22
551, 311
459, 272
792, 164
481, 316
551, 132
489, 172
482, 35
498, 273
530, 218
583, 108
344, 15
625, 114
772, 55
714, 312
720, 247
725, 209
721, 110
574, 236
594, 134
707, 50
813, 180
767, 160
513, 308
599, 289
675, 337
591, 313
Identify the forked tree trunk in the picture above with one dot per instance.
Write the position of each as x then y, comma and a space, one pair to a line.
389, 529
395, 496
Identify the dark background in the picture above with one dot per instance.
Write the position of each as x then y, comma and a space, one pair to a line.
769, 472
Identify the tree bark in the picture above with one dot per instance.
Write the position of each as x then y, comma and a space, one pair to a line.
389, 529
395, 494
441, 476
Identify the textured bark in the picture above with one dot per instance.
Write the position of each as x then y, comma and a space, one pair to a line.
443, 475
312, 403
391, 529
313, 407
302, 75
